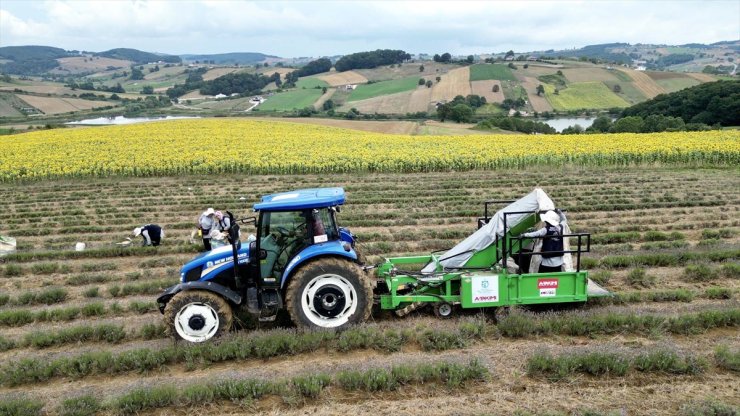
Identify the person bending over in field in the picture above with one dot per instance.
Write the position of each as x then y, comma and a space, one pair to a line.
205, 223
552, 262
151, 233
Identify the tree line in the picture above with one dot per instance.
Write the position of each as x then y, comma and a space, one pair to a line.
372, 59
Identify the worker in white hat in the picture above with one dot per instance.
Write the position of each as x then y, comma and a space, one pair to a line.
205, 223
552, 242
151, 233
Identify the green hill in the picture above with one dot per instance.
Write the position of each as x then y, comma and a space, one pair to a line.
710, 103
30, 60
241, 58
137, 56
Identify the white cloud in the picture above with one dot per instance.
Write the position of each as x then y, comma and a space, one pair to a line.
332, 27
13, 27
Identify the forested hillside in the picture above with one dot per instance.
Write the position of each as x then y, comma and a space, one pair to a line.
710, 103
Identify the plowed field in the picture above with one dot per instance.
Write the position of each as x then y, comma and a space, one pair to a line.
665, 240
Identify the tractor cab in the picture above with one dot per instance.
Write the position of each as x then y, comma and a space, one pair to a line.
291, 223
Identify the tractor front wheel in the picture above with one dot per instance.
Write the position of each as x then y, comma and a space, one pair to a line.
329, 293
198, 315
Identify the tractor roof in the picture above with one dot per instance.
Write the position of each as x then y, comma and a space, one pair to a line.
301, 199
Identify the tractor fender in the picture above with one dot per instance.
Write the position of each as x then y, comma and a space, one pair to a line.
216, 288
335, 248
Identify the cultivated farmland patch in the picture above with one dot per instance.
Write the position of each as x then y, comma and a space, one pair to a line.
53, 105
376, 89
336, 79
485, 89
643, 82
99, 344
452, 84
589, 74
83, 64
214, 73
583, 95
538, 102
481, 72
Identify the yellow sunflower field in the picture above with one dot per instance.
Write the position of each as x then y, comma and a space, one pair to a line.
276, 147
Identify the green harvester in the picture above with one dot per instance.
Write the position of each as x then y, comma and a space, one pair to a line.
492, 268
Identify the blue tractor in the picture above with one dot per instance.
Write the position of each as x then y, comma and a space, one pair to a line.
300, 260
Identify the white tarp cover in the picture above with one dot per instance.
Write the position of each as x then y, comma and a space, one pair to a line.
536, 200
7, 245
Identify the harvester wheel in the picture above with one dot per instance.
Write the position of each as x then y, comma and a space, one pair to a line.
329, 293
198, 315
442, 310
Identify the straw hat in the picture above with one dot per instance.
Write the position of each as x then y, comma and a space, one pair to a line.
210, 211
137, 231
551, 217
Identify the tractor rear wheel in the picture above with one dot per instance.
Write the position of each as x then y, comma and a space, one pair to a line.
329, 293
198, 315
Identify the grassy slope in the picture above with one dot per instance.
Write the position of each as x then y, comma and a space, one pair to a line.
676, 84
289, 100
629, 92
481, 72
584, 95
311, 82
363, 92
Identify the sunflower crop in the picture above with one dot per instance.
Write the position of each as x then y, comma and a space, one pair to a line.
273, 147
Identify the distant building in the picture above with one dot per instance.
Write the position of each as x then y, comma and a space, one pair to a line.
509, 58
532, 58
350, 87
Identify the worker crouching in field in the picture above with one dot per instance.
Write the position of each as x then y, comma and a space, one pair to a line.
553, 230
151, 233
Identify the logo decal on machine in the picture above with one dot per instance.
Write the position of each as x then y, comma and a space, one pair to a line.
547, 287
485, 289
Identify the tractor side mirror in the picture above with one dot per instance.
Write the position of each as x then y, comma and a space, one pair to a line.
248, 220
263, 254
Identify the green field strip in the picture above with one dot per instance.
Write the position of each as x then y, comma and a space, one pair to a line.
583, 95
311, 82
376, 89
481, 72
676, 84
291, 100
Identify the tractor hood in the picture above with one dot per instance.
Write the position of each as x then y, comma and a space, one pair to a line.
207, 265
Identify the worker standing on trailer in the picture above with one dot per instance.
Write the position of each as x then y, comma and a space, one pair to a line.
206, 222
553, 242
151, 233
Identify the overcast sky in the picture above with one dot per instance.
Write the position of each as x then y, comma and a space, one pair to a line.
302, 28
